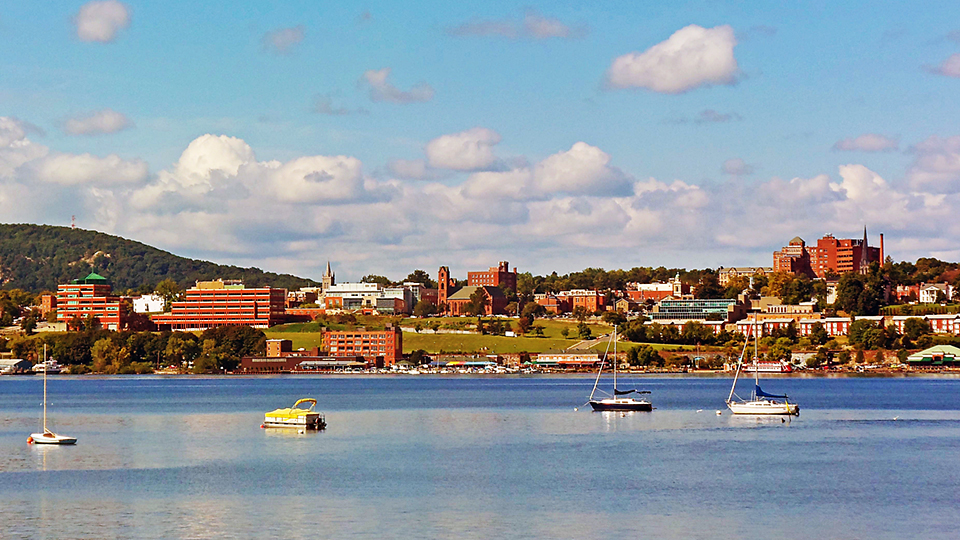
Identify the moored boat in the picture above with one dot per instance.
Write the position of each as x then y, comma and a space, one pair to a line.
760, 402
296, 417
45, 436
618, 401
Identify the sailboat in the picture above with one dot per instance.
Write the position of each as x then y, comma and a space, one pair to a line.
760, 402
47, 436
617, 402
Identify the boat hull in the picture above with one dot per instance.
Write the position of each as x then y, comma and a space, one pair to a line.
311, 421
51, 438
621, 405
764, 407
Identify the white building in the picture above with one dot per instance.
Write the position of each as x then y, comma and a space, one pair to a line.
148, 303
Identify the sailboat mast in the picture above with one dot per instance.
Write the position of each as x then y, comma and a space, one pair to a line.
614, 361
44, 387
756, 357
599, 371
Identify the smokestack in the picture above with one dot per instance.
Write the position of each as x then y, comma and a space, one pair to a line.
882, 258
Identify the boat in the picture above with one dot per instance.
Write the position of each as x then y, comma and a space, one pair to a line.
46, 436
760, 402
296, 417
48, 366
619, 400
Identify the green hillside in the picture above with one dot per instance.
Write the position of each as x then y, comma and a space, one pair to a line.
38, 257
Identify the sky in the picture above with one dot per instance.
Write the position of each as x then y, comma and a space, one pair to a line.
388, 136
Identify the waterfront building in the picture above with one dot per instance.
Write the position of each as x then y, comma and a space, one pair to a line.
281, 358
224, 303
936, 357
568, 359
380, 347
91, 296
698, 309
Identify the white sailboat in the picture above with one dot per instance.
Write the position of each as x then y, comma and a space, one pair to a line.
616, 402
760, 402
47, 436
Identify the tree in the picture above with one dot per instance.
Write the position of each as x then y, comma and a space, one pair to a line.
878, 358
169, 291
818, 334
424, 308
709, 286
91, 323
584, 331
537, 330
478, 302
419, 357
859, 357
613, 318
28, 324
373, 278
565, 332
512, 307
421, 277
914, 327
181, 349
580, 313
523, 324
533, 310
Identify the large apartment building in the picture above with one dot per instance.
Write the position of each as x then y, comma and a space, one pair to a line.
499, 276
224, 303
86, 297
830, 256
380, 347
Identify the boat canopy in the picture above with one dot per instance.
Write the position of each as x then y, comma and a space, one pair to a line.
761, 393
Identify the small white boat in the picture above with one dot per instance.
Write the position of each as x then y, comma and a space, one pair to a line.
46, 436
296, 417
760, 402
48, 366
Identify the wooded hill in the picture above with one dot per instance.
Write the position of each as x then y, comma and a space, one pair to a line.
37, 258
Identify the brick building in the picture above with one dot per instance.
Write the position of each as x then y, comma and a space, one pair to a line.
380, 347
224, 303
499, 276
830, 255
458, 301
90, 296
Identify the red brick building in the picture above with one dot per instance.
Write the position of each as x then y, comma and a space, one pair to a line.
224, 303
499, 276
830, 255
380, 347
91, 296
496, 302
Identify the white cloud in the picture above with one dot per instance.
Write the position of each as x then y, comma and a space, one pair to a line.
100, 21
99, 122
283, 40
323, 104
737, 167
468, 150
382, 90
514, 184
414, 169
73, 169
937, 165
692, 57
950, 67
532, 26
868, 142
314, 179
583, 169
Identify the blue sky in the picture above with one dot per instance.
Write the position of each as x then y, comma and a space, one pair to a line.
553, 135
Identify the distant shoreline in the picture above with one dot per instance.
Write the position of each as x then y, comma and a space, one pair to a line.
646, 375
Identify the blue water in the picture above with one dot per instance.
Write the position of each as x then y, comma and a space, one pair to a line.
484, 457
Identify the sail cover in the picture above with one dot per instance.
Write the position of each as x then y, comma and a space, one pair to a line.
623, 392
761, 393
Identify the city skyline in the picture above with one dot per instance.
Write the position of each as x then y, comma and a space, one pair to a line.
557, 136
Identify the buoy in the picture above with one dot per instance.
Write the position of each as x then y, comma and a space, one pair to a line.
575, 409
719, 413
699, 410
29, 440
262, 426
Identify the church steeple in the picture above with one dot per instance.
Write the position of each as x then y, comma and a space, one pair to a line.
864, 254
329, 278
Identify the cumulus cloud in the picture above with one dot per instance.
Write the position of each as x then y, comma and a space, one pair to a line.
690, 58
937, 165
465, 151
950, 67
383, 90
583, 169
97, 123
11, 131
532, 26
101, 21
868, 142
70, 169
737, 167
282, 40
